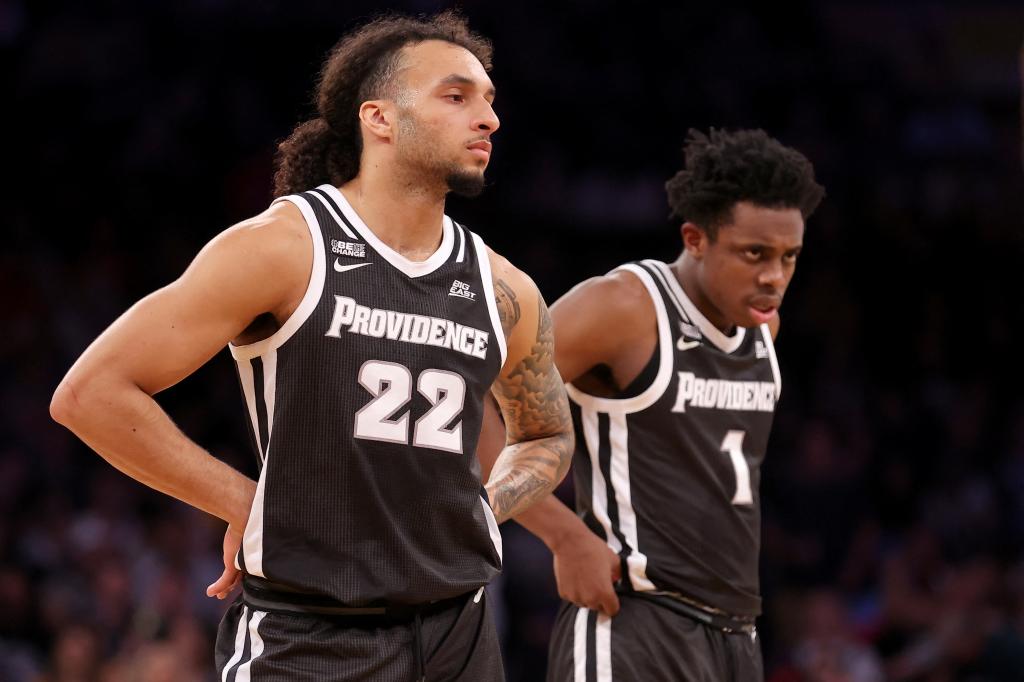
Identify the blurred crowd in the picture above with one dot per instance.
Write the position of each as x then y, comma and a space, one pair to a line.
893, 490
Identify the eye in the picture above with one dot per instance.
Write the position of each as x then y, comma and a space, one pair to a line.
753, 253
456, 98
790, 257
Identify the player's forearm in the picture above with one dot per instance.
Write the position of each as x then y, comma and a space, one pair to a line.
552, 521
527, 472
129, 430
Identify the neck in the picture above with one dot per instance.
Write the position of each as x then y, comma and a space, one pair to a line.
686, 271
403, 214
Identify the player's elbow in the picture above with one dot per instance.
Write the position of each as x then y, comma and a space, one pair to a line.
567, 444
64, 404
68, 404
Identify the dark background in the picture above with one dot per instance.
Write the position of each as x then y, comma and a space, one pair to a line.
893, 492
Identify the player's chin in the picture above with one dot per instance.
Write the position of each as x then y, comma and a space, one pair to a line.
466, 182
751, 316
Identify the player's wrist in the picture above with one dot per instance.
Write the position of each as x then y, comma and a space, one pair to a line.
565, 535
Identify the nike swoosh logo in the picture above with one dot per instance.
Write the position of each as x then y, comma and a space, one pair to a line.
683, 344
338, 267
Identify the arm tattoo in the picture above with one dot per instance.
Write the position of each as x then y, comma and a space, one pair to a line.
508, 306
538, 424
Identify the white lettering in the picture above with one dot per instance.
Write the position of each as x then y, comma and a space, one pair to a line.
378, 322
359, 320
451, 333
436, 337
480, 344
406, 327
344, 308
464, 344
722, 394
396, 322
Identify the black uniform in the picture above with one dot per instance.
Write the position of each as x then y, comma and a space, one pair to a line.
365, 408
668, 473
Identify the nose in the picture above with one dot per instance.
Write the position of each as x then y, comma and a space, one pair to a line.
772, 275
486, 121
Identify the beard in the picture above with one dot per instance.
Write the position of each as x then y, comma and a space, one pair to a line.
465, 183
421, 155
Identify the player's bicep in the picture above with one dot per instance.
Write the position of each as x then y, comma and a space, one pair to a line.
529, 390
594, 321
166, 336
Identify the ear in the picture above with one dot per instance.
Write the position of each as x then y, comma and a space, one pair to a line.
695, 240
378, 119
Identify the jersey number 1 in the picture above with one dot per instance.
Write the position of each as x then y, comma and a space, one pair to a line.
390, 384
733, 446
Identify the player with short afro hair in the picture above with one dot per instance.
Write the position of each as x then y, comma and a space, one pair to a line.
723, 168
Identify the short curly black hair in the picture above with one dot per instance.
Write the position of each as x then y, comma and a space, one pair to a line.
723, 168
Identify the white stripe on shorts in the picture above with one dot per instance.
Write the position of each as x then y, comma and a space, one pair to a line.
255, 649
239, 644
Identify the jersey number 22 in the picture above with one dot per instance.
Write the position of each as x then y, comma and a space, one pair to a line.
390, 384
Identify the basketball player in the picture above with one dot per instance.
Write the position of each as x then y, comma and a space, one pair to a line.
367, 328
673, 381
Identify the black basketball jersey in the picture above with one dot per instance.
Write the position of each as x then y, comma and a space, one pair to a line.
669, 474
365, 408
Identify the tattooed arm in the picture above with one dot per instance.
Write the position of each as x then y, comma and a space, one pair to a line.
606, 321
532, 399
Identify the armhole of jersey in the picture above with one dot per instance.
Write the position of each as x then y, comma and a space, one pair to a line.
657, 388
766, 334
487, 284
309, 301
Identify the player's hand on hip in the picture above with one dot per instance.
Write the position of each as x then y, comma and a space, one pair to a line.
586, 571
231, 576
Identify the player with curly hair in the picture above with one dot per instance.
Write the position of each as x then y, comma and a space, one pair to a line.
367, 328
673, 382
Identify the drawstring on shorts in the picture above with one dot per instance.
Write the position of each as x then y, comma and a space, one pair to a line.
417, 638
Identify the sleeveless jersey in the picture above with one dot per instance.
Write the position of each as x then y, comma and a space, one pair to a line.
669, 476
364, 410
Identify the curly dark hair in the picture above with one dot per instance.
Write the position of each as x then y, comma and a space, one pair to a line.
361, 67
723, 168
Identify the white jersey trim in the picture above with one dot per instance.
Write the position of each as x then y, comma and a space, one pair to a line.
487, 284
248, 381
252, 536
410, 267
461, 256
766, 333
269, 394
618, 440
661, 381
599, 487
728, 344
309, 301
334, 214
492, 529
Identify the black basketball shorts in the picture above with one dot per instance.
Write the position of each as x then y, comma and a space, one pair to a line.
456, 644
646, 642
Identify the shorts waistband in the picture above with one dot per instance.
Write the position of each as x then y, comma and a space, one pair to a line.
357, 616
718, 621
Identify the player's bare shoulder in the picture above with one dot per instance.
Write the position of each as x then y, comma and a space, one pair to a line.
260, 265
511, 287
279, 234
618, 300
